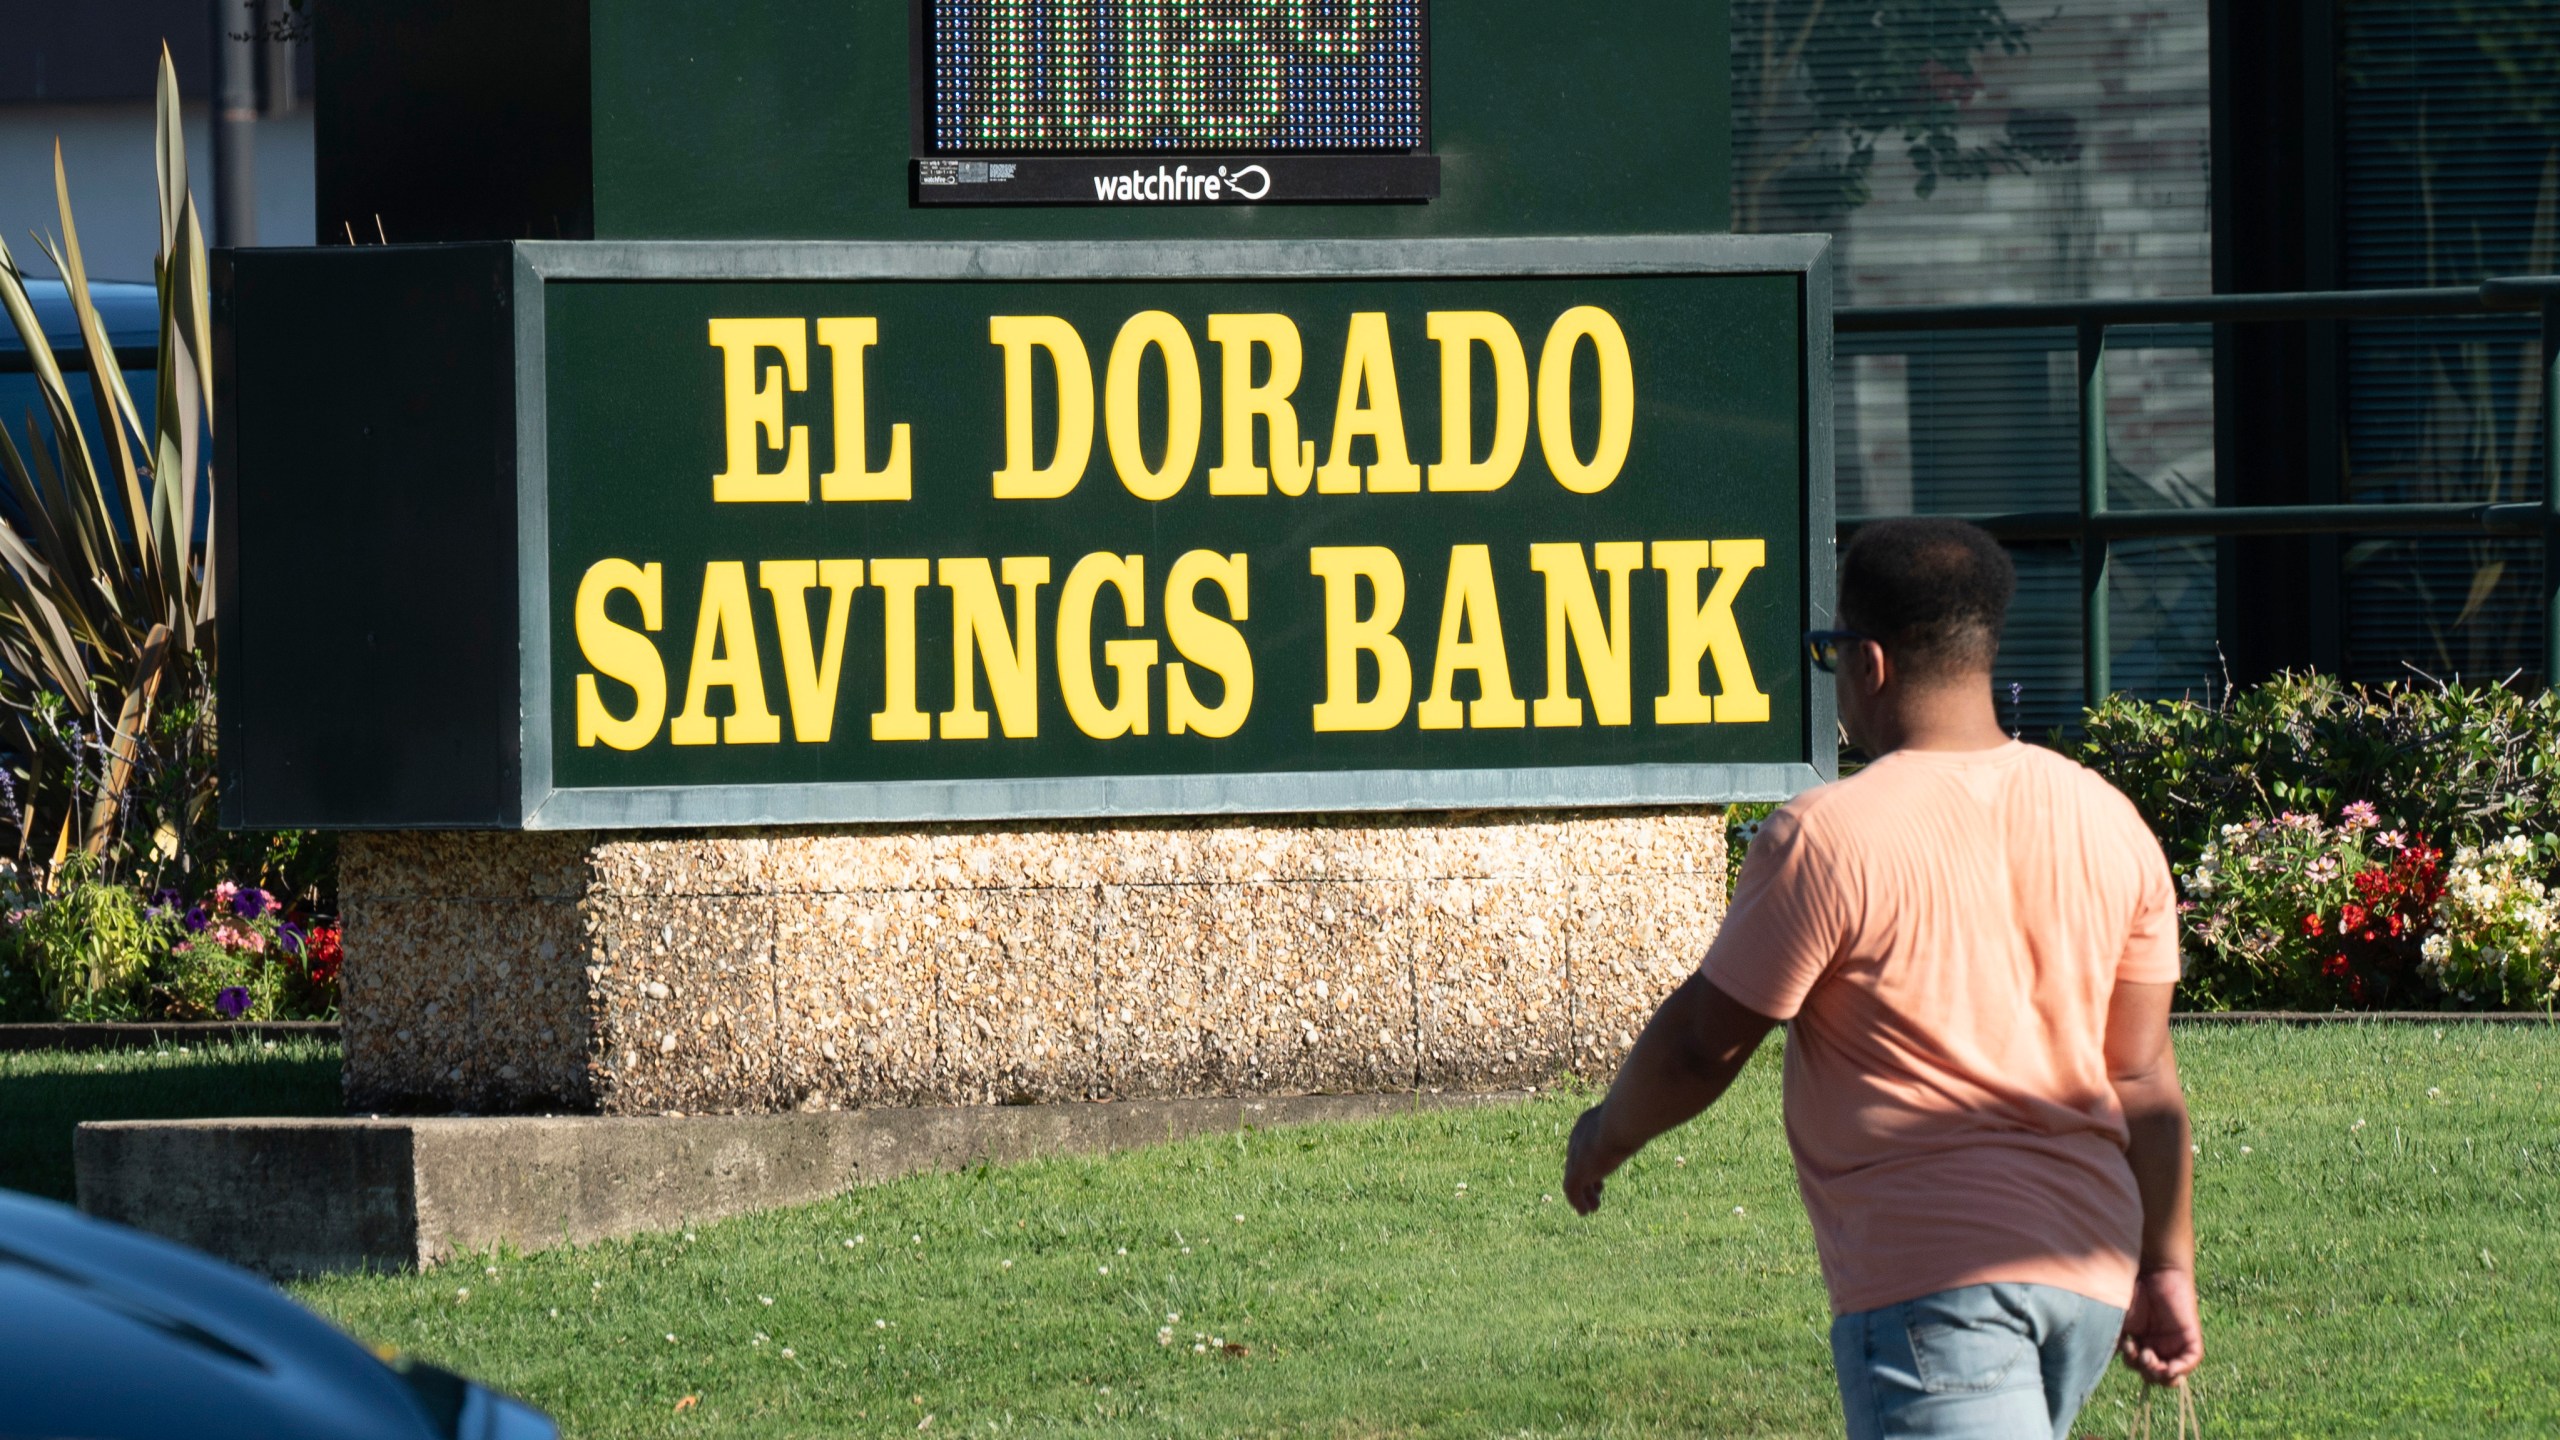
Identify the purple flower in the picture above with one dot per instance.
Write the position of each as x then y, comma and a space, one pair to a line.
232, 1002
289, 935
167, 898
195, 920
251, 903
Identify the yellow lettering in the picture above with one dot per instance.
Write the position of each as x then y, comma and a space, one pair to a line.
1459, 332
898, 718
1702, 631
1368, 370
1573, 623
724, 656
1471, 639
752, 403
1153, 329
1347, 635
1555, 400
810, 674
1293, 462
845, 338
619, 652
1208, 642
1012, 656
1132, 659
1021, 479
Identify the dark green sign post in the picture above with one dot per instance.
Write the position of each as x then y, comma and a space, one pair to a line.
1014, 411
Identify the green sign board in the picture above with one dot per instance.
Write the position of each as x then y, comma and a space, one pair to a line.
845, 532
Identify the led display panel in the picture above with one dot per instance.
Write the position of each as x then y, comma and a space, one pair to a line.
1050, 100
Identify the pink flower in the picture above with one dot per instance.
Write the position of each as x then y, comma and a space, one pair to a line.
2360, 816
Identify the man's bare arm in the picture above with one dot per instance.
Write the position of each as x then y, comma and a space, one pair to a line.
1689, 1052
2163, 1337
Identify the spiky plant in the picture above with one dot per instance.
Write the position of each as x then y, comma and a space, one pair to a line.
106, 600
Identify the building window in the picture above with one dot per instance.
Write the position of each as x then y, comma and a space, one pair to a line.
1963, 151
2450, 174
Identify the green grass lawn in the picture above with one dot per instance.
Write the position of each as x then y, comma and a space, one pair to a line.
44, 1093
2379, 1250
2395, 1276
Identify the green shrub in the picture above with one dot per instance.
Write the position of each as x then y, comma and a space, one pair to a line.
2309, 821
21, 994
90, 945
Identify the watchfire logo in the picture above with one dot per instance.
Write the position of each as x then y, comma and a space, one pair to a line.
1178, 182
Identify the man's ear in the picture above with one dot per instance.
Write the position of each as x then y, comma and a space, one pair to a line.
1879, 666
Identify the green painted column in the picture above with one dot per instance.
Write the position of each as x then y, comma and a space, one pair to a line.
2097, 668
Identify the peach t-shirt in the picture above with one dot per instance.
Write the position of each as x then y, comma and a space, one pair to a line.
1944, 931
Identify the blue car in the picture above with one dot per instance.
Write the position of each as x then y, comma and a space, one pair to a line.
131, 314
110, 1334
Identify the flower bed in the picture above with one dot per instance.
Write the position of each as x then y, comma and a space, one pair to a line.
2350, 847
88, 949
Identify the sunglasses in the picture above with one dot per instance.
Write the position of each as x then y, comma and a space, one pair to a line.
1823, 646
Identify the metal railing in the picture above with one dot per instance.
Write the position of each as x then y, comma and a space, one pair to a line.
2096, 527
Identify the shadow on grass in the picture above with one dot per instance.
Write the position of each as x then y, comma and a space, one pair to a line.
45, 1094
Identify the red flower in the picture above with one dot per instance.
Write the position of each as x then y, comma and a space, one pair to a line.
2311, 925
326, 950
2352, 917
2334, 966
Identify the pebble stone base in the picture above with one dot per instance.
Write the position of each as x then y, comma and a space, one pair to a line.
700, 972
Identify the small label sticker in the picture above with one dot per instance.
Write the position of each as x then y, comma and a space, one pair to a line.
938, 172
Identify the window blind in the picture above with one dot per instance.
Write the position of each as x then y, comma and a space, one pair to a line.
2450, 158
1962, 151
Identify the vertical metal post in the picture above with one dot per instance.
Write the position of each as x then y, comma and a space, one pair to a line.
235, 122
2096, 667
2550, 491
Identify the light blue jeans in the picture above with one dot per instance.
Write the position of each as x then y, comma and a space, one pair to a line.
1984, 1362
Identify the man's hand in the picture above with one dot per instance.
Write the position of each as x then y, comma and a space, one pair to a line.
2163, 1338
1689, 1052
1585, 1166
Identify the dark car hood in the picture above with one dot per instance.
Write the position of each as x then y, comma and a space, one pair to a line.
108, 1332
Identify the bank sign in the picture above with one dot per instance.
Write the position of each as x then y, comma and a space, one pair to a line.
870, 532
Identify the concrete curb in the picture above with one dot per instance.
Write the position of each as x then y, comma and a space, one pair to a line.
143, 1035
293, 1197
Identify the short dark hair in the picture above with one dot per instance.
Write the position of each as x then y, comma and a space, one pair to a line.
1934, 592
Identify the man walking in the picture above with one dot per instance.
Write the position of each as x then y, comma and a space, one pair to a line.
1973, 943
